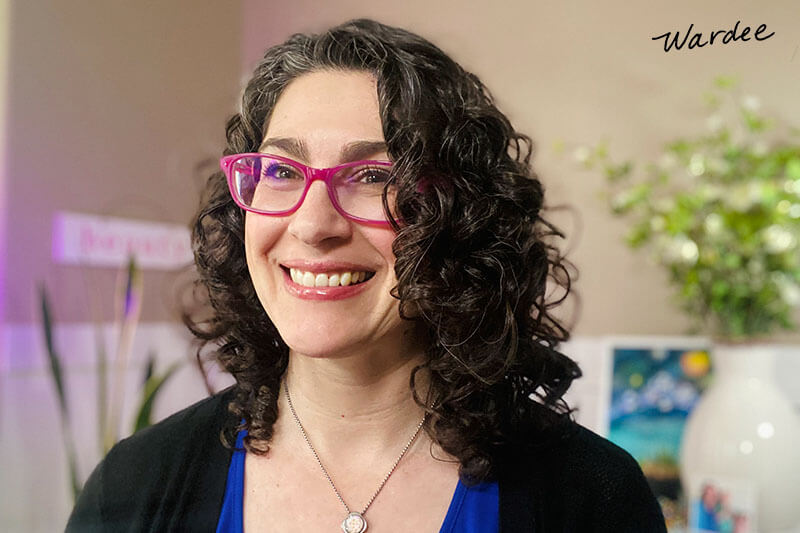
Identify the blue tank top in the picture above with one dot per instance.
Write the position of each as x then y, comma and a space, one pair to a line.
472, 509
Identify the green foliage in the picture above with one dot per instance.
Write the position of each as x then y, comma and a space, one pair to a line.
150, 389
129, 297
52, 355
720, 210
58, 382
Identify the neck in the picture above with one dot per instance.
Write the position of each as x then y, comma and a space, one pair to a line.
366, 395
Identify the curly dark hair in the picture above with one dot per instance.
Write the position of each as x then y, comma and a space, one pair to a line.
472, 257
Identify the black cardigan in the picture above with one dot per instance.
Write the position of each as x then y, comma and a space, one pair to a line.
171, 477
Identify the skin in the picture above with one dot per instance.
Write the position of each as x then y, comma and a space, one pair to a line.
350, 360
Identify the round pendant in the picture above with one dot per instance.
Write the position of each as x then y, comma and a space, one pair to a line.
354, 523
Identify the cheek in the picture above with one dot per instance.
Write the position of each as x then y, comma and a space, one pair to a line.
260, 234
382, 240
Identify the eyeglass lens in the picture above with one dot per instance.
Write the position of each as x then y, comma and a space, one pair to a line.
272, 186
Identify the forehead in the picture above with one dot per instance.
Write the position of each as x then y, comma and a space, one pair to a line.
328, 106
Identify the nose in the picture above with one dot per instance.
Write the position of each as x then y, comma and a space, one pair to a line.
317, 220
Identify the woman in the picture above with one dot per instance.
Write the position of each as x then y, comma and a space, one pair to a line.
376, 264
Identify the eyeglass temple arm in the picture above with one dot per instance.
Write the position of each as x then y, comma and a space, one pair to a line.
244, 169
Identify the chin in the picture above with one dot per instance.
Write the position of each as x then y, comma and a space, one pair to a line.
315, 352
318, 344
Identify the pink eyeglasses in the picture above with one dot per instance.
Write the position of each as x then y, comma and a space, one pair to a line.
273, 185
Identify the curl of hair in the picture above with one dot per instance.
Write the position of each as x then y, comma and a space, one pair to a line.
473, 256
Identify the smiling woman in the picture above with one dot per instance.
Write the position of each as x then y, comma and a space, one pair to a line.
376, 264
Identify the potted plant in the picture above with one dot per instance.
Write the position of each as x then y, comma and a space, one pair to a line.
128, 298
720, 210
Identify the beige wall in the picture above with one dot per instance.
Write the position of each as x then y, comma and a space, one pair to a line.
583, 71
107, 107
111, 106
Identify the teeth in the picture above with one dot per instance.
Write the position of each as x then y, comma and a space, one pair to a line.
309, 279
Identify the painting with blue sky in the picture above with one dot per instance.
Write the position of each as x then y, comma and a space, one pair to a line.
654, 389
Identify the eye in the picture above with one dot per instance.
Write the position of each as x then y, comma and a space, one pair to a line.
370, 175
277, 171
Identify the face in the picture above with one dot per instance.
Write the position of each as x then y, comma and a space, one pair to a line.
324, 119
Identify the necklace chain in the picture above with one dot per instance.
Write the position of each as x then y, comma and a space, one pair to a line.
325, 471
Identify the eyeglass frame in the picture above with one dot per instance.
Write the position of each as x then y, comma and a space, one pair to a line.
311, 175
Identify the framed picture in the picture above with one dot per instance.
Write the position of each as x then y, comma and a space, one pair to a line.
655, 384
720, 504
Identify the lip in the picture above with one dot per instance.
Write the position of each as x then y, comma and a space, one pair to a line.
318, 267
322, 293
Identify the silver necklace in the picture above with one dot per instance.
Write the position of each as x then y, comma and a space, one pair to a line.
354, 522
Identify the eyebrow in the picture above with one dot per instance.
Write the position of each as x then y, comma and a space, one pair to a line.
353, 151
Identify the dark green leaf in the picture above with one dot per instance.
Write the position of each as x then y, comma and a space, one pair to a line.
149, 393
52, 355
58, 380
148, 369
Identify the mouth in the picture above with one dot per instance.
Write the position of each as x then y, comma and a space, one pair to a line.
327, 280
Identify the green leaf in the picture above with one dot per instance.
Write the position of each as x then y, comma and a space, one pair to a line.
149, 368
711, 100
58, 380
149, 394
680, 148
793, 168
52, 355
133, 289
767, 168
102, 376
128, 299
626, 200
618, 172
601, 151
726, 82
753, 122
638, 235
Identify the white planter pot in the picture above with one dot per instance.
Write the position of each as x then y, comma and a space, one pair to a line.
745, 428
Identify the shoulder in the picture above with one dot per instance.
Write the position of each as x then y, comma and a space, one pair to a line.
160, 474
585, 482
584, 452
